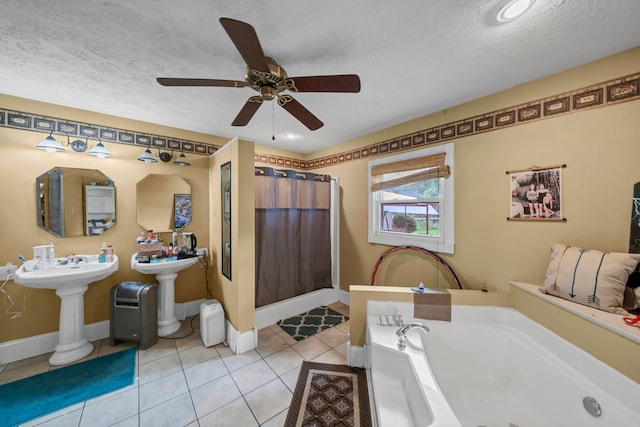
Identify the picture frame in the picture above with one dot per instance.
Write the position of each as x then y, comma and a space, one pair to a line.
535, 194
182, 212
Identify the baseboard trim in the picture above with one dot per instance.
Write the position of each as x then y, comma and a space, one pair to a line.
356, 355
270, 314
24, 348
241, 342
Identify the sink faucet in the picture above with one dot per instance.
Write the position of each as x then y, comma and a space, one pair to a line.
402, 343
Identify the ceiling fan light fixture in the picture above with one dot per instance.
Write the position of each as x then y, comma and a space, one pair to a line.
182, 160
513, 9
50, 145
147, 157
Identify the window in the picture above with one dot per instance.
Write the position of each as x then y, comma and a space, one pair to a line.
411, 199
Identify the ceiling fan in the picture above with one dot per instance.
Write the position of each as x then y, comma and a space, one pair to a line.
267, 77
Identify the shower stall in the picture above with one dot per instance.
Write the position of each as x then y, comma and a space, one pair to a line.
296, 228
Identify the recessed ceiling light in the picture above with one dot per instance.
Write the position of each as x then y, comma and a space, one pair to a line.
291, 136
513, 9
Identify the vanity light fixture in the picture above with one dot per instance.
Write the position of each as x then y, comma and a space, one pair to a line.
182, 160
147, 157
50, 144
100, 151
513, 9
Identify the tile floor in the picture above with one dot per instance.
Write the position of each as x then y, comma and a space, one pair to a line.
179, 382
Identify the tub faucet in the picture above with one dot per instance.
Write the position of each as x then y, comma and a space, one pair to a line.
402, 342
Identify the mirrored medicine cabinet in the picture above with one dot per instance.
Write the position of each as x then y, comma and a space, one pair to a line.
74, 202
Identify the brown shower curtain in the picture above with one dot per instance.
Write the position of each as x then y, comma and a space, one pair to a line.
293, 234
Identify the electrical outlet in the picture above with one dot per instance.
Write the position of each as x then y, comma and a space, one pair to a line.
203, 252
7, 271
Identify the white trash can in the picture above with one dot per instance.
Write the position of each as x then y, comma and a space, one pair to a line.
212, 323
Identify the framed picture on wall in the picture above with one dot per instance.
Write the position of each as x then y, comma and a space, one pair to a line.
536, 194
182, 211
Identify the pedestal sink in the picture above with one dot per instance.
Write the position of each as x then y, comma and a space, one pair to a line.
166, 272
70, 282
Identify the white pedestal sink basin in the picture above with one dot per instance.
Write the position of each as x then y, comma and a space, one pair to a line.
166, 273
70, 282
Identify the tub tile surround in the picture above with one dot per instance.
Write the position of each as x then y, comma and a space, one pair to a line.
181, 382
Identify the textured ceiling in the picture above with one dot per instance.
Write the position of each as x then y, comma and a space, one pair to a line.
414, 57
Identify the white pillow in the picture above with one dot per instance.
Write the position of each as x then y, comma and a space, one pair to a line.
590, 277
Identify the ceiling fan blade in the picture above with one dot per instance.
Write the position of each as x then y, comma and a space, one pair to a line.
248, 110
164, 81
336, 83
298, 111
245, 39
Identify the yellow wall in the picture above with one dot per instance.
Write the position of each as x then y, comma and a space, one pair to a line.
19, 230
600, 147
238, 294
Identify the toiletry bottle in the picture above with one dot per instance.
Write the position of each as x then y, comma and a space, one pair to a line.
109, 253
51, 256
102, 257
140, 238
174, 239
149, 236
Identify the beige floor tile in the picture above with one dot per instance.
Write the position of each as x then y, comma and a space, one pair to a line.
233, 414
270, 344
332, 357
175, 412
163, 348
344, 326
278, 420
286, 337
128, 422
193, 340
265, 332
204, 372
310, 347
157, 368
62, 418
284, 361
193, 356
23, 372
290, 378
29, 361
269, 400
162, 390
253, 376
340, 307
214, 395
236, 361
105, 348
341, 348
107, 411
332, 336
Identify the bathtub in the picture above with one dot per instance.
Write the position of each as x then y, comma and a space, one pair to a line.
489, 366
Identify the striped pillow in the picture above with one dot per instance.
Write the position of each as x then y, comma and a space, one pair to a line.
590, 277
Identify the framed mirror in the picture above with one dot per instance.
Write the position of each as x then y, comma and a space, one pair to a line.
73, 202
155, 204
225, 187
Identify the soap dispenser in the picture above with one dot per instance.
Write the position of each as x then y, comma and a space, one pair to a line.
102, 257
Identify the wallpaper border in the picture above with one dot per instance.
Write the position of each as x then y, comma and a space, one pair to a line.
594, 96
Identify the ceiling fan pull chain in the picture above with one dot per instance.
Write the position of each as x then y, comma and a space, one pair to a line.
273, 121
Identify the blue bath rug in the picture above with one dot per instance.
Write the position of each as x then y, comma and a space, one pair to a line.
306, 324
41, 394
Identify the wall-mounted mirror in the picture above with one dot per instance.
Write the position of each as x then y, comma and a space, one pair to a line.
225, 187
75, 202
155, 203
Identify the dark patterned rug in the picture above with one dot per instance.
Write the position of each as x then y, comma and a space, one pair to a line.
313, 321
329, 395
